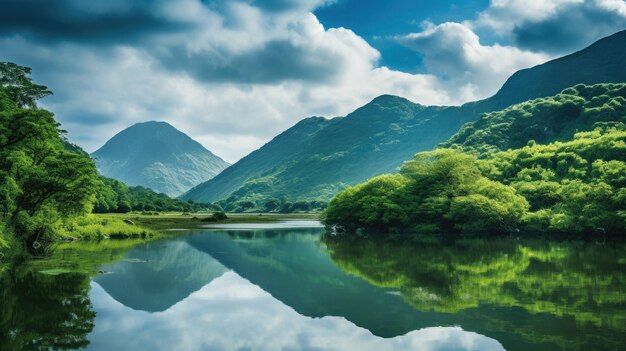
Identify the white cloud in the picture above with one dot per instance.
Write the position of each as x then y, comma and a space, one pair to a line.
234, 80
618, 6
469, 70
233, 74
504, 15
555, 26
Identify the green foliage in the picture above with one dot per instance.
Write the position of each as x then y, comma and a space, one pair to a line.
572, 186
95, 227
578, 283
42, 183
548, 179
48, 185
271, 205
543, 120
442, 190
216, 217
114, 196
19, 87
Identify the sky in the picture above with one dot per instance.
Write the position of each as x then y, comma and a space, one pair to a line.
234, 74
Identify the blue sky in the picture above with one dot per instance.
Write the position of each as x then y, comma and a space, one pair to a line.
234, 73
378, 21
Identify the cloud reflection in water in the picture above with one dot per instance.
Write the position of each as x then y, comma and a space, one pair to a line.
230, 313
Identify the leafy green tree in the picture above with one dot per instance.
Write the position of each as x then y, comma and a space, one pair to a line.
123, 207
439, 190
19, 87
41, 181
245, 205
271, 205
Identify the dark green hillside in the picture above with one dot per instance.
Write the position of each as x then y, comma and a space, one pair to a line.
601, 62
278, 150
543, 120
340, 155
114, 196
381, 135
158, 156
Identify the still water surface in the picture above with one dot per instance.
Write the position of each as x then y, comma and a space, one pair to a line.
287, 287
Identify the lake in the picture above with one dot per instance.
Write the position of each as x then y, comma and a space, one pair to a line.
287, 286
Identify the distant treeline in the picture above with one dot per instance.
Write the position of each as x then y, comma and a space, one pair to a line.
115, 196
272, 205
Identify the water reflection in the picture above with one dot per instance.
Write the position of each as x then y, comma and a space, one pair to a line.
41, 311
230, 313
155, 276
292, 288
530, 293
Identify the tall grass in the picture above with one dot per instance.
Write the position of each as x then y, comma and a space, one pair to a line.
96, 227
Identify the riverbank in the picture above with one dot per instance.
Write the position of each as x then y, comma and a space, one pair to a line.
176, 220
102, 232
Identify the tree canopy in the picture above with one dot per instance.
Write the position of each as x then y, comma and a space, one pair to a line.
41, 181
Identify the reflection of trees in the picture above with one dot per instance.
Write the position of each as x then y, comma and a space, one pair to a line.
40, 311
564, 282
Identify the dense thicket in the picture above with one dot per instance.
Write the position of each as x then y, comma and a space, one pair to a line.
573, 185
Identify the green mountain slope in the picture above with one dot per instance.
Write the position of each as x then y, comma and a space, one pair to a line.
543, 120
601, 62
381, 135
158, 156
278, 150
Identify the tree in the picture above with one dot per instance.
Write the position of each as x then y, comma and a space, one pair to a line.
19, 87
271, 205
42, 182
442, 190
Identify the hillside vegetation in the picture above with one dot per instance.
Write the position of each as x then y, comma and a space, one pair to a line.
114, 196
41, 183
317, 158
569, 184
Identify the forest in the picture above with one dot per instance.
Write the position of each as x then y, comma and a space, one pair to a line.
551, 165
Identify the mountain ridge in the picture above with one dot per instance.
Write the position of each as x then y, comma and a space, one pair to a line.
379, 136
156, 155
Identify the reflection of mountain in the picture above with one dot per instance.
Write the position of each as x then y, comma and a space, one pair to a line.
374, 290
155, 276
560, 293
290, 265
230, 313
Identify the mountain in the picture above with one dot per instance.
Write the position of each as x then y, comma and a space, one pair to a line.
601, 62
381, 135
278, 150
154, 278
158, 156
